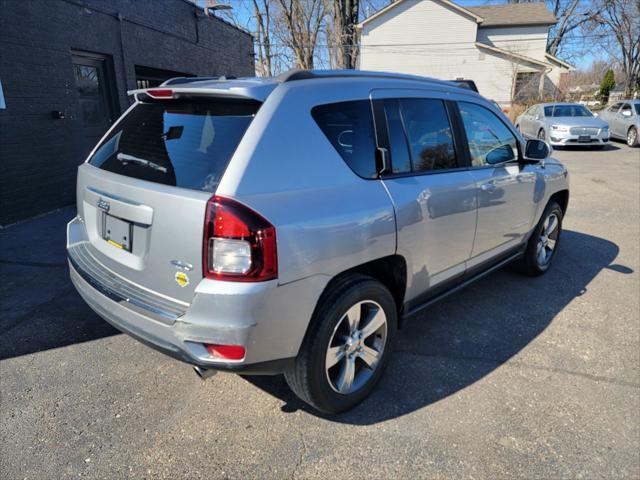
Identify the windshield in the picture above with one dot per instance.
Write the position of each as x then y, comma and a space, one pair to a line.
567, 111
182, 143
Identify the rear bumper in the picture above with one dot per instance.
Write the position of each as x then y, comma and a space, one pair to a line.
268, 319
170, 340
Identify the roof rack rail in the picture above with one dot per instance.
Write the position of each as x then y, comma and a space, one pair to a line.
183, 80
294, 75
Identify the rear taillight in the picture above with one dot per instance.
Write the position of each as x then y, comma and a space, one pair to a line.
239, 245
226, 352
160, 93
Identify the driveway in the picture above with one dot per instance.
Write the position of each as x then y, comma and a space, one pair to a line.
513, 377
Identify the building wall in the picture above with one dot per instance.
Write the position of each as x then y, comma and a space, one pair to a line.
39, 154
421, 37
530, 41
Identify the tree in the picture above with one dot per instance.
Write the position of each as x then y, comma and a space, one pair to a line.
572, 15
300, 28
345, 36
608, 83
620, 19
264, 55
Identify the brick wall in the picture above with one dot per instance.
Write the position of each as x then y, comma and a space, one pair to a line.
39, 154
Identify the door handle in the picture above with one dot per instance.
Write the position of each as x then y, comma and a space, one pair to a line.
488, 187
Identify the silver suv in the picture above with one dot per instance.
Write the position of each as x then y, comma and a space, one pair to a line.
293, 224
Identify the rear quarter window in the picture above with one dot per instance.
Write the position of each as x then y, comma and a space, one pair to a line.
183, 143
349, 128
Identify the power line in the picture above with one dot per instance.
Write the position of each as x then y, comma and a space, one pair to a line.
421, 44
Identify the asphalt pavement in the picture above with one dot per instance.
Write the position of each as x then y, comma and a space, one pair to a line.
511, 378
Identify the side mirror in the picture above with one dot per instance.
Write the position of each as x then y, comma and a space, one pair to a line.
537, 150
626, 113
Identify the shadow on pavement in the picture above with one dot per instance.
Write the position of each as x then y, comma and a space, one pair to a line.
40, 308
452, 345
467, 336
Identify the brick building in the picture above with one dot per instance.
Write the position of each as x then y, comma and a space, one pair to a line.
65, 68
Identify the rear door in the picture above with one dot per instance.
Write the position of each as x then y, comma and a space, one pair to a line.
611, 114
143, 192
526, 122
433, 193
623, 120
505, 188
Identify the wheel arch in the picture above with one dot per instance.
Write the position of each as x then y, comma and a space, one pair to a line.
391, 271
561, 197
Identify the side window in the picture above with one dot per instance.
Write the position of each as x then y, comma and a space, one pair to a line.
429, 134
349, 128
490, 141
626, 110
400, 159
615, 107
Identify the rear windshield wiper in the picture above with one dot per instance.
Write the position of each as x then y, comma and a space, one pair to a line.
125, 158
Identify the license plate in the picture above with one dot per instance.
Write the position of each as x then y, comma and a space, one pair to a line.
584, 138
117, 232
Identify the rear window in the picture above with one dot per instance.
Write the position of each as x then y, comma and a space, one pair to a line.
349, 128
181, 143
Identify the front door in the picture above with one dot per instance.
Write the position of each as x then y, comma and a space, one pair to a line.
433, 194
95, 93
505, 188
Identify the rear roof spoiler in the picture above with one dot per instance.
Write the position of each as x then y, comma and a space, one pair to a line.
468, 84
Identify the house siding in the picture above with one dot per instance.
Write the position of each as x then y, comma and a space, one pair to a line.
429, 38
39, 155
399, 41
530, 41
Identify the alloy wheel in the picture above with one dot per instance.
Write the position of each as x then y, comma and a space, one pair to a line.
356, 347
631, 137
548, 239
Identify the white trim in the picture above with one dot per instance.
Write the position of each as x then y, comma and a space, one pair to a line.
562, 63
512, 54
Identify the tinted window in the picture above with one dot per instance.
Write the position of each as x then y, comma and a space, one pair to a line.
430, 138
567, 111
182, 143
349, 128
400, 159
637, 105
490, 141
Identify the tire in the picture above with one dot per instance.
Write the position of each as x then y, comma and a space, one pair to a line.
532, 263
328, 389
542, 135
632, 137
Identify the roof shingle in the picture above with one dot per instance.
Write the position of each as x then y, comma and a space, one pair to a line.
514, 14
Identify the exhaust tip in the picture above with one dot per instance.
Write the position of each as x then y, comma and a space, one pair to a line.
204, 373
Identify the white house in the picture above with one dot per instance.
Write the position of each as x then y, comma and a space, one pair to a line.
501, 47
